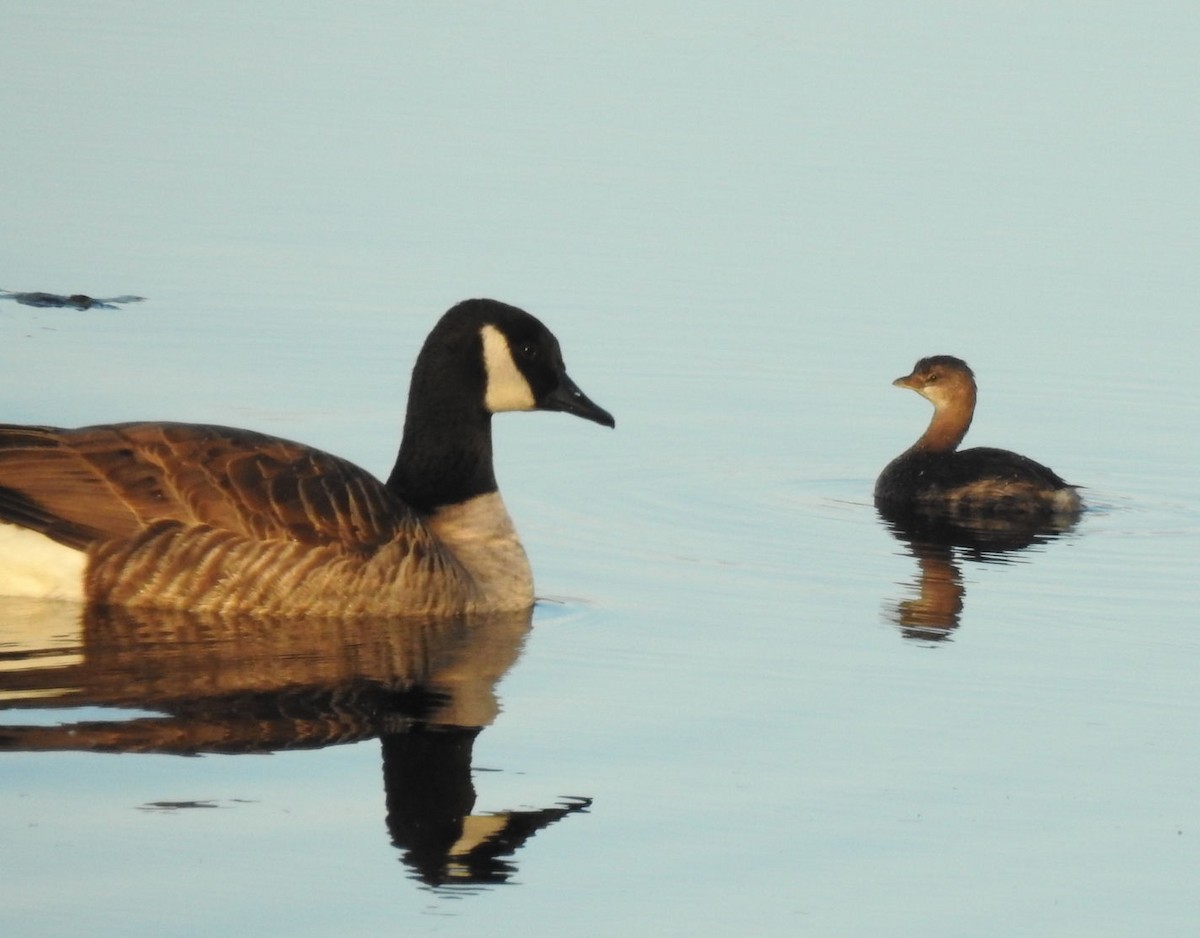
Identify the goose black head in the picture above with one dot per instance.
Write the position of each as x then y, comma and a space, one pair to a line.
518, 365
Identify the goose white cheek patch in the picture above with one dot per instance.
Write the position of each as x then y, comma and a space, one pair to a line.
507, 388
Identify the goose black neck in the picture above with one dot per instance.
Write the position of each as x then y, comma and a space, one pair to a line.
444, 459
446, 451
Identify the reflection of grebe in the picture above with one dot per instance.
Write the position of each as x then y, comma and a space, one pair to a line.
211, 519
933, 614
934, 475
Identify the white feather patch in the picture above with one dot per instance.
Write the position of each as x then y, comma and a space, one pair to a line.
33, 565
507, 388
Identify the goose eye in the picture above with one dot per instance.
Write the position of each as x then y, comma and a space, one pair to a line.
529, 351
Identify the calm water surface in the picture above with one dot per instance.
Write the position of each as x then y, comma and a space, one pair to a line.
743, 704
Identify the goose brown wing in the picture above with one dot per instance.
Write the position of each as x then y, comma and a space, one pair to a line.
104, 482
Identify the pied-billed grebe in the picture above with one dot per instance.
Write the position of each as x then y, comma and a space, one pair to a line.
933, 475
212, 519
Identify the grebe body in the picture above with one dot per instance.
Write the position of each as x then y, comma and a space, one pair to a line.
934, 475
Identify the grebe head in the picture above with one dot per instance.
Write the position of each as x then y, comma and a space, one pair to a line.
942, 380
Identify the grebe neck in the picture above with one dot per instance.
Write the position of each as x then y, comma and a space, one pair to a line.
951, 420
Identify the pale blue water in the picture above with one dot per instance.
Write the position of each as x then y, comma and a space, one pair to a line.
742, 225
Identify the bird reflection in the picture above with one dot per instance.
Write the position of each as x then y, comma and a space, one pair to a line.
939, 542
424, 688
429, 797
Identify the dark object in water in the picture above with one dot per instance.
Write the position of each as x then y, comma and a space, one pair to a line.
75, 300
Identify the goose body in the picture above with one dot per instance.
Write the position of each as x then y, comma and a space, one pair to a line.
934, 475
216, 519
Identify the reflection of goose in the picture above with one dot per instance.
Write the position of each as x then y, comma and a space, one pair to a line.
246, 684
933, 475
215, 519
427, 775
426, 689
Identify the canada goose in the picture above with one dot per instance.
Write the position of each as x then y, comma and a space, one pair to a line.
935, 475
213, 519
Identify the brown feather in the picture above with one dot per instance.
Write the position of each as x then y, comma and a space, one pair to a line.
111, 482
